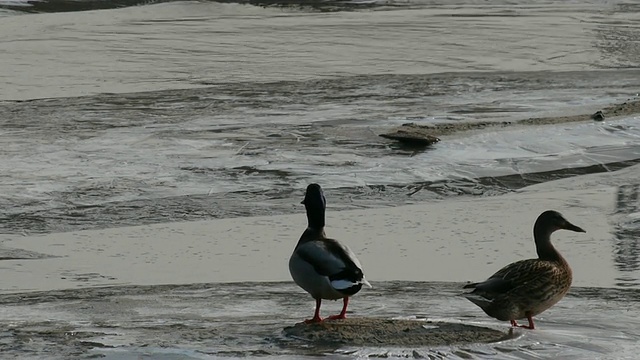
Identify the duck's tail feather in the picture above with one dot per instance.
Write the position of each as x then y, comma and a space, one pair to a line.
349, 285
478, 300
470, 286
348, 281
343, 284
346, 287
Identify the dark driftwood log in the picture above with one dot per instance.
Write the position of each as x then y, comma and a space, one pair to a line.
412, 134
598, 116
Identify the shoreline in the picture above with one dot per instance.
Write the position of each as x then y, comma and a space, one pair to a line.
458, 240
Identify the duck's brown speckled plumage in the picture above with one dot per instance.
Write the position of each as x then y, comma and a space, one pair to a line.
526, 288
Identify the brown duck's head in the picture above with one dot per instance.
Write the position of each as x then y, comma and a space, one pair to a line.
550, 221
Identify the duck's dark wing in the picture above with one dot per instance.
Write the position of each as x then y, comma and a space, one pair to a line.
336, 261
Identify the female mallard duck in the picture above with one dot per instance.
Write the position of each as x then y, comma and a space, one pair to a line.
323, 267
526, 288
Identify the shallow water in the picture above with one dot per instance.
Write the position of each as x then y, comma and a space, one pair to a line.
193, 110
210, 321
195, 44
129, 166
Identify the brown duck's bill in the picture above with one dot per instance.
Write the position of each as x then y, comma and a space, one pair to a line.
570, 226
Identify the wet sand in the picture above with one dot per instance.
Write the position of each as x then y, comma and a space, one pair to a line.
390, 332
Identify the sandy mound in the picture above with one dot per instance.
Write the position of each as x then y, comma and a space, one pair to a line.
386, 332
428, 134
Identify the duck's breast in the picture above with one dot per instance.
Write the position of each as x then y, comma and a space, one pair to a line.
550, 285
552, 294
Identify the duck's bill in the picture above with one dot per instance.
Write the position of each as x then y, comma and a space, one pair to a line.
570, 226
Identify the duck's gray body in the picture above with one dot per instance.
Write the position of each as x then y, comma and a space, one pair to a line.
323, 267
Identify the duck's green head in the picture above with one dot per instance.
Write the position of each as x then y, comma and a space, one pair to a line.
314, 197
551, 221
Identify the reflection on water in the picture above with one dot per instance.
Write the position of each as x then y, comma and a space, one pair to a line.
626, 235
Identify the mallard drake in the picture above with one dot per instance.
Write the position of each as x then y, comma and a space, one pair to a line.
526, 288
324, 267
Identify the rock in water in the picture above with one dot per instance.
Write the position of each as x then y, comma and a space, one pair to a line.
387, 332
412, 134
598, 116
